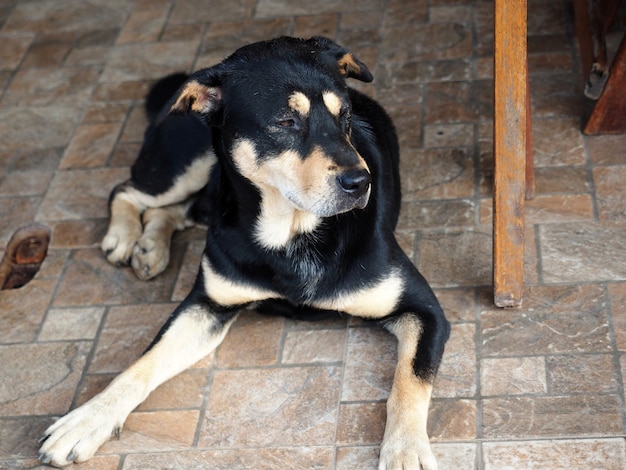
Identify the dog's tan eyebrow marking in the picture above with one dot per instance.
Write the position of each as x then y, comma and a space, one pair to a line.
299, 103
332, 102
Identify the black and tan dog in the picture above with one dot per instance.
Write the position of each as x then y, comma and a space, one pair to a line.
296, 176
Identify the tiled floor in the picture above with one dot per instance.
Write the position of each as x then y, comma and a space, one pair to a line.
537, 387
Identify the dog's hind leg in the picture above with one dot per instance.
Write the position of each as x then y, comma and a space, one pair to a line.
194, 330
151, 253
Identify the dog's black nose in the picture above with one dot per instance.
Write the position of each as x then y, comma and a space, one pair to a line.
355, 182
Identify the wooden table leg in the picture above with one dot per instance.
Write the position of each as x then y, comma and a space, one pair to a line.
510, 122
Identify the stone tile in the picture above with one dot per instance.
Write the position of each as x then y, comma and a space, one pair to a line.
513, 376
459, 305
124, 154
13, 47
361, 424
54, 16
314, 346
455, 455
32, 128
91, 146
189, 270
577, 252
22, 310
143, 25
46, 159
370, 364
553, 319
18, 439
123, 91
135, 126
457, 374
206, 11
415, 215
561, 180
269, 8
607, 454
102, 112
253, 340
577, 415
148, 61
362, 457
98, 462
127, 332
557, 95
582, 373
437, 174
401, 13
71, 324
272, 407
448, 135
40, 378
80, 194
617, 296
25, 183
182, 32
14, 213
184, 391
152, 431
456, 257
452, 419
310, 25
559, 208
221, 39
453, 102
84, 233
606, 149
315, 458
406, 240
610, 193
93, 56
391, 74
47, 54
557, 142
51, 86
442, 41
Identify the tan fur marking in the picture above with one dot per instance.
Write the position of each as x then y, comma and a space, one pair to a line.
196, 97
300, 103
332, 102
348, 64
226, 292
372, 302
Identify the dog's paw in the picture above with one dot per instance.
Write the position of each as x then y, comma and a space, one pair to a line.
118, 244
150, 257
78, 435
406, 454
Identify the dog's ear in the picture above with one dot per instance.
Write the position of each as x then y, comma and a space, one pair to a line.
201, 93
349, 65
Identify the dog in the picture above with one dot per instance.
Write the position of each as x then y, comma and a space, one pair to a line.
296, 177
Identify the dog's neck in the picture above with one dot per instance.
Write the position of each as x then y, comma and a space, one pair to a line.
279, 221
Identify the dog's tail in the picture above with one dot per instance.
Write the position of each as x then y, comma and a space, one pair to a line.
161, 92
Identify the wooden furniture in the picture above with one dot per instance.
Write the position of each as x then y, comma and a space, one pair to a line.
512, 150
513, 160
604, 81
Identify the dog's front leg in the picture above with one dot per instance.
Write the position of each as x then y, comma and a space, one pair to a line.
405, 444
193, 332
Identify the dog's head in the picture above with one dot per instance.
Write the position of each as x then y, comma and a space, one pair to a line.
284, 115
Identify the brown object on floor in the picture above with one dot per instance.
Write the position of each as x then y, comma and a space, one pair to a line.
604, 81
24, 255
513, 169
